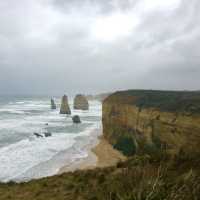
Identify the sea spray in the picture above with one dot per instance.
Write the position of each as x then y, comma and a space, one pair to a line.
23, 156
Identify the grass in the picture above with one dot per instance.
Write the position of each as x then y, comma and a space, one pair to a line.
187, 102
139, 178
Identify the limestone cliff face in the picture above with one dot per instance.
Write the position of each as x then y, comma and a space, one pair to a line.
81, 102
64, 108
135, 121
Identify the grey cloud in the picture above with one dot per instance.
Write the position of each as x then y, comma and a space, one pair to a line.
46, 48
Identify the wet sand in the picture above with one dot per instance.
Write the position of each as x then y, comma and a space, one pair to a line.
102, 155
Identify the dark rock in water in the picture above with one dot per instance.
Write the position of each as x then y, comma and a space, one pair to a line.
81, 102
76, 119
47, 134
53, 105
46, 124
37, 135
65, 109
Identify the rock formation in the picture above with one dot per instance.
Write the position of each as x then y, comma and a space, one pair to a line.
37, 135
146, 121
47, 134
81, 102
53, 105
76, 119
64, 108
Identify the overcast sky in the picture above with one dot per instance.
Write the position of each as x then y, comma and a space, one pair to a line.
91, 46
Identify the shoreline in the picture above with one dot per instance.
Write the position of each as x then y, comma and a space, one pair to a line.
100, 156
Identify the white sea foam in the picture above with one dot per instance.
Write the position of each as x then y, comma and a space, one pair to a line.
20, 102
10, 110
11, 123
23, 156
16, 158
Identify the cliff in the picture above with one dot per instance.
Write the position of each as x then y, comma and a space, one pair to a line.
146, 121
133, 121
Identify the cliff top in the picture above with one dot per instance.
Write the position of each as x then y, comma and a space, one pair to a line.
169, 101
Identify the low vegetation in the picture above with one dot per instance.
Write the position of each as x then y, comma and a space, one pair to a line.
187, 102
126, 145
142, 177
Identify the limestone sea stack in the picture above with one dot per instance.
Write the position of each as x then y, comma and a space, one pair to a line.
64, 108
53, 105
81, 102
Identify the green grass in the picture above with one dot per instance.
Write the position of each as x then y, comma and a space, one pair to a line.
187, 102
139, 178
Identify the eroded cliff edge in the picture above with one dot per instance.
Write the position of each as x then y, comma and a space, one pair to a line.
146, 121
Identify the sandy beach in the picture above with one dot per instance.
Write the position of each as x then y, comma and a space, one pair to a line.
102, 155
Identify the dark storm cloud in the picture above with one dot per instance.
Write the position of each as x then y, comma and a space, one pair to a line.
57, 46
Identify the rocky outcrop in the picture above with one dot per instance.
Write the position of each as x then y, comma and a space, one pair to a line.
81, 102
76, 119
147, 121
64, 108
53, 105
47, 134
37, 135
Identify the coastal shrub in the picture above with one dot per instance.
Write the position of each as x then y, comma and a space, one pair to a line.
156, 142
136, 160
150, 148
126, 145
157, 149
101, 178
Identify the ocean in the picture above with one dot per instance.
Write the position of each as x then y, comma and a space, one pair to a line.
23, 156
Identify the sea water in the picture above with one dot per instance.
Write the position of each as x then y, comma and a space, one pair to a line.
23, 156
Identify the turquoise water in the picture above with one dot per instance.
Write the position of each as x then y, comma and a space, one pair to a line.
23, 156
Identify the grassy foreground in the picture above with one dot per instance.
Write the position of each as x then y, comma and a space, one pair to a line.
138, 178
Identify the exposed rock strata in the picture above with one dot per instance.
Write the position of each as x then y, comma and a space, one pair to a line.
81, 102
64, 108
135, 121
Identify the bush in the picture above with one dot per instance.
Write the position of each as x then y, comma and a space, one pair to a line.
126, 145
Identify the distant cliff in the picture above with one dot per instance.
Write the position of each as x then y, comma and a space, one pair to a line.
146, 121
98, 97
